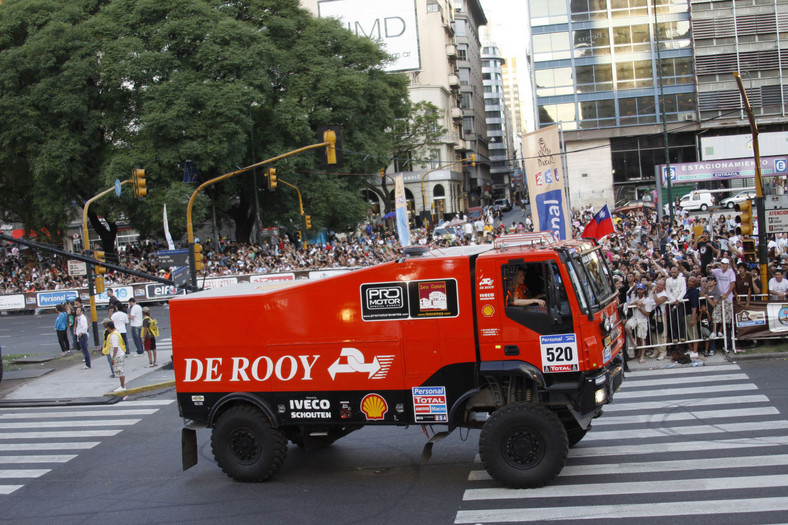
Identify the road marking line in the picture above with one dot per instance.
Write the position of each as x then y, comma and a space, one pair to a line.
643, 510
659, 466
60, 434
685, 431
702, 390
23, 473
681, 416
670, 403
8, 489
66, 424
676, 371
683, 380
54, 458
80, 413
17, 447
582, 451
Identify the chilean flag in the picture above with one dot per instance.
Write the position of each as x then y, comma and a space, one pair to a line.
600, 225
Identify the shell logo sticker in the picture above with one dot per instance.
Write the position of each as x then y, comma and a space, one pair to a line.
374, 407
488, 310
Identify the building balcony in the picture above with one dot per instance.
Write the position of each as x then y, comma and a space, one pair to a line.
454, 82
456, 113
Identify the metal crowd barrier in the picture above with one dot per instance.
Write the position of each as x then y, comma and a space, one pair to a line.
676, 329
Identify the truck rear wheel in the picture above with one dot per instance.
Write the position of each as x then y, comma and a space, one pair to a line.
245, 445
523, 445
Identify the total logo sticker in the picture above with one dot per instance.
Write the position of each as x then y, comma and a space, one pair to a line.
374, 407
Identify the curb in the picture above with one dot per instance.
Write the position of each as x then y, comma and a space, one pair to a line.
746, 356
139, 389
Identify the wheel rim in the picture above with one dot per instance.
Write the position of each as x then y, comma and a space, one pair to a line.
244, 445
523, 449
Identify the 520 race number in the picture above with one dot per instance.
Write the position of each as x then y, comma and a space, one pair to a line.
559, 353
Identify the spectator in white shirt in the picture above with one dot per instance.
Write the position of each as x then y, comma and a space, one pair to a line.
778, 286
120, 320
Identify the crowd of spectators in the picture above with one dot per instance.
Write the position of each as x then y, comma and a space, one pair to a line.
641, 246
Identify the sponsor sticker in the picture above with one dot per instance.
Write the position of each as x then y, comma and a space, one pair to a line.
488, 310
352, 360
409, 300
374, 407
429, 403
490, 332
310, 408
559, 353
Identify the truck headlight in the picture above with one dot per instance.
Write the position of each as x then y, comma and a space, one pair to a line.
600, 396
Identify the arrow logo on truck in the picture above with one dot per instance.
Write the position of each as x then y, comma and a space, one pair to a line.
355, 362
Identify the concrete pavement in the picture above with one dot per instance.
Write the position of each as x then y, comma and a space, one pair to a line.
73, 384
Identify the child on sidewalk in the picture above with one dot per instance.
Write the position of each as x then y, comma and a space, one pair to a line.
150, 330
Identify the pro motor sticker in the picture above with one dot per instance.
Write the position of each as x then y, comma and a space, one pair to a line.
559, 353
409, 300
429, 404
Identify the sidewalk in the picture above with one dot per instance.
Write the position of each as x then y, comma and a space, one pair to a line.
773, 351
73, 385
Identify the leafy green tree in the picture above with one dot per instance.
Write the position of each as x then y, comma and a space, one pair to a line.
91, 88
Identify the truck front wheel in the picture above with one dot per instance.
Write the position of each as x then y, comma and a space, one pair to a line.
245, 445
523, 445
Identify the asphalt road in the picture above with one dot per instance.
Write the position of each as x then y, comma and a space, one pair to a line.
720, 418
28, 334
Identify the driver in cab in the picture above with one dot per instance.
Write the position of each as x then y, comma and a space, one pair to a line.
519, 296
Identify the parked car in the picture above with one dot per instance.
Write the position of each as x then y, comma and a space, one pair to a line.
503, 204
697, 200
732, 201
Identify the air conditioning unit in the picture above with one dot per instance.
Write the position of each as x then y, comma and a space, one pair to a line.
451, 50
456, 113
454, 81
688, 117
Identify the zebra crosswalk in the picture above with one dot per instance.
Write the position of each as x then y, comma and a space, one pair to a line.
34, 440
675, 442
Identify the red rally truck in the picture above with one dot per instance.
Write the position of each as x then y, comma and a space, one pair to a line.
433, 338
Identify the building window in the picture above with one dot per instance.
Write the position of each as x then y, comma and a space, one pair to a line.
551, 46
590, 42
632, 39
433, 7
464, 74
467, 125
462, 52
544, 12
466, 101
553, 113
551, 82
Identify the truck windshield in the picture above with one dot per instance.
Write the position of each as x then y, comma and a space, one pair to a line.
592, 280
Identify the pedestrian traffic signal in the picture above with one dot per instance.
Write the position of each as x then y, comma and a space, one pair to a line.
270, 175
99, 284
744, 218
101, 257
138, 180
199, 258
749, 251
308, 221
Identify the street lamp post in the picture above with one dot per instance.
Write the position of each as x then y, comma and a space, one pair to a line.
664, 119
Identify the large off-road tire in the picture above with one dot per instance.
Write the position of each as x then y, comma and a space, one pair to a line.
245, 445
523, 445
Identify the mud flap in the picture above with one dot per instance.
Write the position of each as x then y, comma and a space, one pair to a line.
426, 453
188, 447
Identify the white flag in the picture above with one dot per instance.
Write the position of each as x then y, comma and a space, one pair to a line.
167, 235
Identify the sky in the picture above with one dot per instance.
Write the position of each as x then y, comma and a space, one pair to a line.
509, 28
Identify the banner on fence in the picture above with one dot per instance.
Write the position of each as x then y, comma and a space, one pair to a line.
761, 319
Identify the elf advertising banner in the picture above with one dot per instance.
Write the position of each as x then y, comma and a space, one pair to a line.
545, 174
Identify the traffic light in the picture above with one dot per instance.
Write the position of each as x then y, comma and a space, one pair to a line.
138, 179
101, 257
332, 136
382, 172
744, 218
199, 258
99, 284
749, 251
270, 175
298, 236
473, 159
308, 221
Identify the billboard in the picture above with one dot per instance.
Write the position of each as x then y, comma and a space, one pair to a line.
544, 170
393, 23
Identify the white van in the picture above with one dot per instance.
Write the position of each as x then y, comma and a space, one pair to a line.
697, 200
